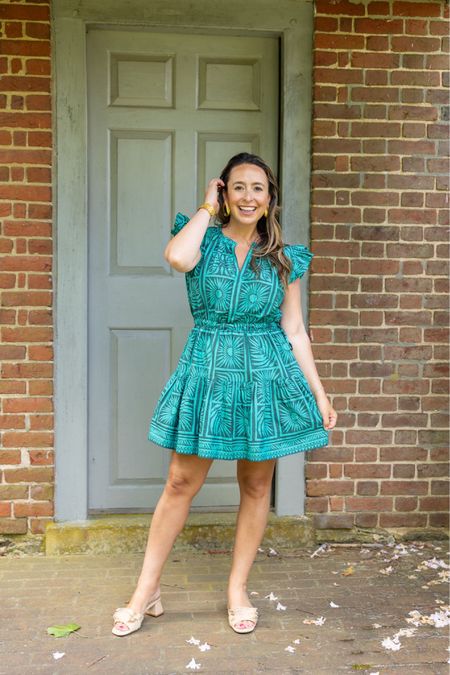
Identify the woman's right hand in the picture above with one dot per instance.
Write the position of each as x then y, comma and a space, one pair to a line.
212, 192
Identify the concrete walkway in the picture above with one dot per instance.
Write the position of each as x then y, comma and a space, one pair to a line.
375, 588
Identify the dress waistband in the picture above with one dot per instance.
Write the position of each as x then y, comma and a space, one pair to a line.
238, 327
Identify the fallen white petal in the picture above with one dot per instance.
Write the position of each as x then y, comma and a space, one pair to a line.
317, 622
272, 552
271, 596
58, 655
204, 647
392, 644
387, 570
193, 641
332, 604
376, 625
280, 606
405, 632
254, 593
434, 563
289, 649
193, 665
322, 548
440, 619
297, 642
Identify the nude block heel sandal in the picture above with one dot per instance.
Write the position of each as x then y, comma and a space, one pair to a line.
235, 616
133, 620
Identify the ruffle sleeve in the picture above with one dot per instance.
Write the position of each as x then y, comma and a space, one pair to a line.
301, 258
179, 223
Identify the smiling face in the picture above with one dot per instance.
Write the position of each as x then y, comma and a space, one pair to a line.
247, 194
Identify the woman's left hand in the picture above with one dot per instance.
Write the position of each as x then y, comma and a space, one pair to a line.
329, 415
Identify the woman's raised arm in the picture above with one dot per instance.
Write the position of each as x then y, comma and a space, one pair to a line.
183, 250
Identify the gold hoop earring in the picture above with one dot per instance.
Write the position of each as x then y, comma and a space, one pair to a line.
266, 213
226, 209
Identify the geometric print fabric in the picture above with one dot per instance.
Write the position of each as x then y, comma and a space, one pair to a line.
237, 391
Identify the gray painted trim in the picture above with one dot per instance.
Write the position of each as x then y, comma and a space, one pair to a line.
293, 21
70, 271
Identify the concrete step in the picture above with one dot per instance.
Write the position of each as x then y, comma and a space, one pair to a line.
207, 531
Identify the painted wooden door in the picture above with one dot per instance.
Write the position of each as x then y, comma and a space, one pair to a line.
166, 112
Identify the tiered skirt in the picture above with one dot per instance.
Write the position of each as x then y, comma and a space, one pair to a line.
237, 393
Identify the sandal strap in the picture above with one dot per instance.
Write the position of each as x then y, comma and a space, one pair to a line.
127, 615
244, 614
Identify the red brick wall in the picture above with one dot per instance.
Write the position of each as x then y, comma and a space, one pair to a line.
26, 419
379, 279
378, 303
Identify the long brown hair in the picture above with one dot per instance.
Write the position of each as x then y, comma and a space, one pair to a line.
269, 229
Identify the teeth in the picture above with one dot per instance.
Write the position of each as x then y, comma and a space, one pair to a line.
248, 208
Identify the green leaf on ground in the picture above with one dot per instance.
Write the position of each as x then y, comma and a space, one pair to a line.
361, 666
62, 631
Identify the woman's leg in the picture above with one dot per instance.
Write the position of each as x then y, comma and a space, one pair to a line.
255, 481
185, 478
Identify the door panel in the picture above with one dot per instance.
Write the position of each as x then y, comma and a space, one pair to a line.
166, 112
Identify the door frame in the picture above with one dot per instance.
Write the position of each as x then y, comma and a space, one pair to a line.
293, 24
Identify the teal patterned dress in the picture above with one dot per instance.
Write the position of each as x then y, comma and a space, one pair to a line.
238, 391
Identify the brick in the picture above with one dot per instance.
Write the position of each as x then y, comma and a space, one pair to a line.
379, 60
33, 439
13, 525
367, 488
22, 509
318, 488
339, 7
325, 24
377, 43
33, 120
340, 76
336, 41
10, 456
35, 474
378, 26
426, 9
26, 298
38, 30
403, 520
406, 503
369, 503
333, 521
13, 492
366, 520
432, 470
26, 47
404, 487
383, 94
30, 404
439, 520
415, 44
37, 67
29, 12
417, 78
24, 83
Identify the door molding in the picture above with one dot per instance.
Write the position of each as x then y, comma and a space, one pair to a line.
293, 24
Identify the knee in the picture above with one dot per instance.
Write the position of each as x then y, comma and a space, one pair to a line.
254, 487
179, 485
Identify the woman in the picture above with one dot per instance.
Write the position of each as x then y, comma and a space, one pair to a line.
246, 385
